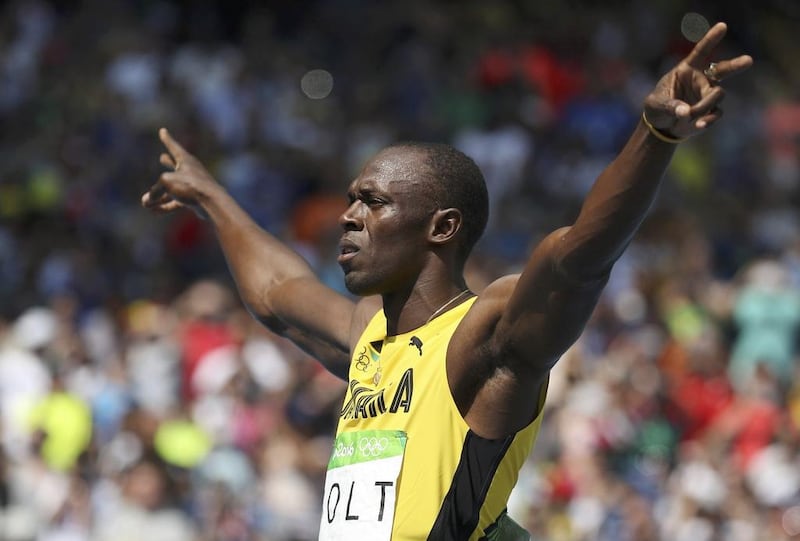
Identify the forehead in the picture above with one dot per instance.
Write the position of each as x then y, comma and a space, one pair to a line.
394, 169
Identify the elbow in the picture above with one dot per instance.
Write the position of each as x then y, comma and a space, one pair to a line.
257, 305
271, 322
582, 262
262, 298
581, 276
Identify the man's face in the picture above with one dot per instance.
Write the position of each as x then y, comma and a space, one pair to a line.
384, 245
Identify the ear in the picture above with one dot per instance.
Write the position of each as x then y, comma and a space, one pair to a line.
445, 223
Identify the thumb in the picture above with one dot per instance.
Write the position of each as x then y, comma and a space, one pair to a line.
664, 115
680, 109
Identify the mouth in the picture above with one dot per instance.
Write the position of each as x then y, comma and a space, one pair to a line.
347, 251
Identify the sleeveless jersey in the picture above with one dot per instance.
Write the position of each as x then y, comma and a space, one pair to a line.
452, 484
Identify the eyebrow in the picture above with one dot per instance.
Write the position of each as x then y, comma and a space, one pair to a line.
366, 189
363, 193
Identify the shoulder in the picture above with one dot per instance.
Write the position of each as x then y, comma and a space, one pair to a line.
364, 312
489, 305
499, 290
475, 330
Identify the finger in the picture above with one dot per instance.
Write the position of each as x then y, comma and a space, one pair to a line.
708, 102
726, 68
164, 198
169, 206
698, 58
150, 200
156, 192
667, 112
166, 177
707, 120
159, 189
155, 201
167, 161
175, 148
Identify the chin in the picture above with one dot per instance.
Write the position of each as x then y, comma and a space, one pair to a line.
359, 285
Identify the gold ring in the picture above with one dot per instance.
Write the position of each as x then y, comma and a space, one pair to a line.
711, 73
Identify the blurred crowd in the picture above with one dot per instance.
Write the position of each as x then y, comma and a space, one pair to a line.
138, 400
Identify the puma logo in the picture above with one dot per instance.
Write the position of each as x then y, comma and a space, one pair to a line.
417, 343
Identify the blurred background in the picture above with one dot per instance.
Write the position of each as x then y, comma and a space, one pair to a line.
138, 400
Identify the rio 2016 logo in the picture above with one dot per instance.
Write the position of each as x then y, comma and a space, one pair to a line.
343, 450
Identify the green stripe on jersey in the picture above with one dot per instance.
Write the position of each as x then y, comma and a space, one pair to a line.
367, 445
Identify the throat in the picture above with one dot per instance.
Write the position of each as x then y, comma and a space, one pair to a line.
412, 315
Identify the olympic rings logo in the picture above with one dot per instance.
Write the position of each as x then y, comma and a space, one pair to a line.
372, 446
362, 363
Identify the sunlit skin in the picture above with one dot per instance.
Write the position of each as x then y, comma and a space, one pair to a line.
402, 251
399, 250
391, 243
383, 247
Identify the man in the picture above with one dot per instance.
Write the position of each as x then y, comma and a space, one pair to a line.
445, 389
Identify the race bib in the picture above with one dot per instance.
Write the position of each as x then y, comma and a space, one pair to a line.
360, 486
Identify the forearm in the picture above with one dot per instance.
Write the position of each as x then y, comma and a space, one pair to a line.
258, 261
275, 283
615, 207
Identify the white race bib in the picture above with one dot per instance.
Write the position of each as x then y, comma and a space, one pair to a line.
360, 486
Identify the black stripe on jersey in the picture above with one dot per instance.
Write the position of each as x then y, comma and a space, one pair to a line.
460, 511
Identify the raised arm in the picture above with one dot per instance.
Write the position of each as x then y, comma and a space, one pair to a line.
684, 103
275, 283
523, 324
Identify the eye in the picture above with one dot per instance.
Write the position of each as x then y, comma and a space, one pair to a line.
374, 201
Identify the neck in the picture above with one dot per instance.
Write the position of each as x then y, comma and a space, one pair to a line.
453, 301
410, 310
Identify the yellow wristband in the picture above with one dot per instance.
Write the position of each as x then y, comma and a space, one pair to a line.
661, 135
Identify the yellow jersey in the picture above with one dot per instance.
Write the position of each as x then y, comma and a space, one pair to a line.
447, 482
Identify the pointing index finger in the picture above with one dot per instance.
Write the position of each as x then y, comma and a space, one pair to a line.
698, 58
172, 145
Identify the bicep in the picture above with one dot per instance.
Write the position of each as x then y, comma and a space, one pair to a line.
502, 352
547, 309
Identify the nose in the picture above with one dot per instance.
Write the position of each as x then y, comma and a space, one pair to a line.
350, 219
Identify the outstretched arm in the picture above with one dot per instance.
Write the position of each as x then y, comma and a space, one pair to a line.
523, 324
684, 103
275, 283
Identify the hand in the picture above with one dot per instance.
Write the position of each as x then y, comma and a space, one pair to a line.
186, 186
686, 100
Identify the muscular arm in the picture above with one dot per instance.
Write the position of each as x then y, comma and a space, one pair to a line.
279, 287
524, 323
517, 330
275, 283
273, 280
613, 210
